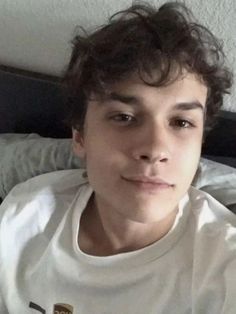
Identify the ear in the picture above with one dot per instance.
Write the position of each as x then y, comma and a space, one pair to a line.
78, 143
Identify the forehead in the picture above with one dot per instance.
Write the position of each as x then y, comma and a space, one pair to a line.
187, 88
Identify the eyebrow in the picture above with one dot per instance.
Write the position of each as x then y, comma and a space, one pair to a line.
189, 106
126, 99
132, 100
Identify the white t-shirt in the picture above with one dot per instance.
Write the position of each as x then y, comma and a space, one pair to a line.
42, 269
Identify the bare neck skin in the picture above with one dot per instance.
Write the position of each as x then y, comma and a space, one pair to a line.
103, 233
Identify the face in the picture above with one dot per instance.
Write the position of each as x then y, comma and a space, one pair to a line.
142, 146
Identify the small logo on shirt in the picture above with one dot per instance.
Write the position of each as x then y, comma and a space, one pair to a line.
61, 308
37, 307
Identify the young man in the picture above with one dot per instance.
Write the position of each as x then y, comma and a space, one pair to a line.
129, 235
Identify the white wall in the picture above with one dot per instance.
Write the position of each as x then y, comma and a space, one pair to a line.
35, 34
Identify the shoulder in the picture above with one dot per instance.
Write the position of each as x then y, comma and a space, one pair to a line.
34, 201
203, 205
35, 208
214, 251
54, 183
60, 180
32, 213
213, 222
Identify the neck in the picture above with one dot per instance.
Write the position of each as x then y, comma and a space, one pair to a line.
104, 232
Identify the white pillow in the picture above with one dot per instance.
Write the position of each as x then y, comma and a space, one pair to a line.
23, 156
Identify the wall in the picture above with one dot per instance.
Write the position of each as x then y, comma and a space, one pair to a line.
35, 35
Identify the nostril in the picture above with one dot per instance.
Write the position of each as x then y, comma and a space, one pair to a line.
163, 160
147, 158
143, 157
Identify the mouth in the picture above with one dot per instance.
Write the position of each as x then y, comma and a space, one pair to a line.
151, 184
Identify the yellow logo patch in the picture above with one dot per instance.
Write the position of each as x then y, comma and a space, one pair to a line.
61, 308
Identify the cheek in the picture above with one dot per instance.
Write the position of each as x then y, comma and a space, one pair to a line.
102, 170
100, 158
104, 145
187, 160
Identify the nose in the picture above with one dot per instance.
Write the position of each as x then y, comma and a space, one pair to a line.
153, 144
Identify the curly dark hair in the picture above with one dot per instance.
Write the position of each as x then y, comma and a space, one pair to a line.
143, 39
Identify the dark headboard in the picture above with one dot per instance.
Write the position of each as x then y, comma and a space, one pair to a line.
31, 103
34, 103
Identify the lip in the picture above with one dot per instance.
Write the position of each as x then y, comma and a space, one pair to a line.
149, 183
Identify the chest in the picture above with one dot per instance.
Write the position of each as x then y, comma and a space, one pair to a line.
59, 283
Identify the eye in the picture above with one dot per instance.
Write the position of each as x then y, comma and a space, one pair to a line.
123, 118
180, 123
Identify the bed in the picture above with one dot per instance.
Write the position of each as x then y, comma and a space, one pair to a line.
34, 138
